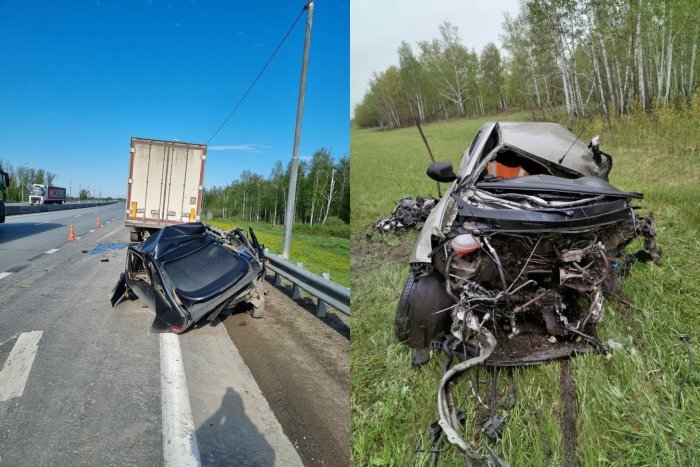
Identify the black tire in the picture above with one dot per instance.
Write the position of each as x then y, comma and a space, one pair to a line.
402, 322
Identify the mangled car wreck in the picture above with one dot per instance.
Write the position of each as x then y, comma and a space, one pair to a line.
513, 264
190, 272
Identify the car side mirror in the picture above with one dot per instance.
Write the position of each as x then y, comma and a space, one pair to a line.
442, 172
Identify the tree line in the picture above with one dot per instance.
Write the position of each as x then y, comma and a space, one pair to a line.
585, 55
323, 192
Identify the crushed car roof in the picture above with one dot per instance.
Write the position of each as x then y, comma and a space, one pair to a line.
549, 141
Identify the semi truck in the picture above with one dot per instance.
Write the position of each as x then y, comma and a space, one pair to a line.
46, 194
4, 185
165, 185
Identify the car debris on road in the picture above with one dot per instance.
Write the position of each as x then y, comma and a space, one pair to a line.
189, 272
512, 265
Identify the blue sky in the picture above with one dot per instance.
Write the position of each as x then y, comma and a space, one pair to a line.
78, 79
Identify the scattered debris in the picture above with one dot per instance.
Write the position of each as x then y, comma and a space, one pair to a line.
409, 214
104, 260
102, 247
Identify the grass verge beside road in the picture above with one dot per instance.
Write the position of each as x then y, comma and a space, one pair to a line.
628, 411
319, 253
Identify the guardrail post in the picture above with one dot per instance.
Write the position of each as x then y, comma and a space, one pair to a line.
278, 279
296, 290
321, 305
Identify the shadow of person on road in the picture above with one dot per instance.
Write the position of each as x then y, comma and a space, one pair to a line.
229, 437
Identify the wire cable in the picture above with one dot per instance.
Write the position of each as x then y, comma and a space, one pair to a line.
262, 70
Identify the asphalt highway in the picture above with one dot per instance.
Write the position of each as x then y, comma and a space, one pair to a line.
84, 384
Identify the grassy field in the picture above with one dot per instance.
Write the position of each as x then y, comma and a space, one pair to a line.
319, 253
628, 412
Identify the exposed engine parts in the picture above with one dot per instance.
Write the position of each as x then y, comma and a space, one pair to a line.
409, 213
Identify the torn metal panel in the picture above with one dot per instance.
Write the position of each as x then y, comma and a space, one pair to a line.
189, 272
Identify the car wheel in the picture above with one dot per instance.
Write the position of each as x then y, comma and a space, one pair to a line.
402, 321
259, 311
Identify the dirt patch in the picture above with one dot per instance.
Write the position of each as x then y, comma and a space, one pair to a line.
368, 250
302, 367
567, 394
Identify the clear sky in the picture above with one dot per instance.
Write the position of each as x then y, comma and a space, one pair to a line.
378, 27
79, 79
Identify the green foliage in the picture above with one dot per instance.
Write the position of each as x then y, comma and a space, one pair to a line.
319, 250
586, 56
628, 412
255, 198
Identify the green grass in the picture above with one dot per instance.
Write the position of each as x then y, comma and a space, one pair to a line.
319, 253
627, 408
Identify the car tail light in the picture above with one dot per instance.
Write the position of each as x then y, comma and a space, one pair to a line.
176, 329
464, 244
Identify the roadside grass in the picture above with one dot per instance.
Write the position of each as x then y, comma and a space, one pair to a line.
630, 411
319, 253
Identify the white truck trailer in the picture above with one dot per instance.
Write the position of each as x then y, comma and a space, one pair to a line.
165, 184
46, 194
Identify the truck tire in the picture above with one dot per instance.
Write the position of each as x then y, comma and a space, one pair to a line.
402, 322
259, 311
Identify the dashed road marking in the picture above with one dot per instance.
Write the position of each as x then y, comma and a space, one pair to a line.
40, 223
78, 215
92, 230
179, 438
78, 238
4, 274
15, 372
52, 251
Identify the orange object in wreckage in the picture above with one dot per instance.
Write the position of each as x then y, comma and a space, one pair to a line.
503, 171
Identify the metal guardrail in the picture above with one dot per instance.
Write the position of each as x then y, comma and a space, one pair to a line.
17, 209
325, 290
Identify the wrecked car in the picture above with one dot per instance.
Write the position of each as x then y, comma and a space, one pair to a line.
513, 263
190, 272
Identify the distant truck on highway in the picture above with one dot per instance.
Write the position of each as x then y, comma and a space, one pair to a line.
46, 194
4, 185
165, 184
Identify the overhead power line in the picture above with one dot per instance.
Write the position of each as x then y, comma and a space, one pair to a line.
269, 60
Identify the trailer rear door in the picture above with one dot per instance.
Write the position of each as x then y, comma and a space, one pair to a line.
165, 182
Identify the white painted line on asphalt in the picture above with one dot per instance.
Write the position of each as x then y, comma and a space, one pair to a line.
15, 373
78, 215
39, 223
92, 230
179, 438
78, 238
52, 251
4, 274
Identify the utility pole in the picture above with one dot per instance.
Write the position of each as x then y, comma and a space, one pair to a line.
291, 199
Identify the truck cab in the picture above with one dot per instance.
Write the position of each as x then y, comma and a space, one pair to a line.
4, 185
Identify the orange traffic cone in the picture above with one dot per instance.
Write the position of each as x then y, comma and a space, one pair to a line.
98, 225
71, 232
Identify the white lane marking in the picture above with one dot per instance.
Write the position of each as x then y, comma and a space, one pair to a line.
179, 438
78, 238
15, 373
78, 215
109, 222
92, 230
40, 223
4, 274
52, 251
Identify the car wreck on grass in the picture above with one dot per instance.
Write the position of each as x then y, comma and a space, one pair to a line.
513, 264
190, 272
